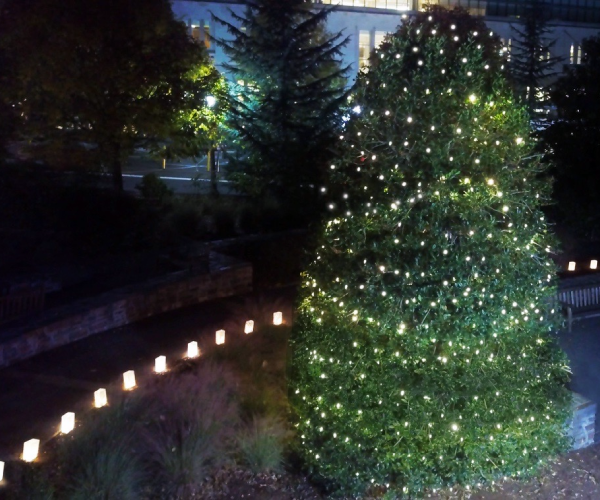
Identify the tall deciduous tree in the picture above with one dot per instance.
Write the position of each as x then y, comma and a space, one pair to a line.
96, 79
286, 103
424, 352
532, 63
573, 144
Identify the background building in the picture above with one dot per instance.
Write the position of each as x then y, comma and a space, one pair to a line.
367, 21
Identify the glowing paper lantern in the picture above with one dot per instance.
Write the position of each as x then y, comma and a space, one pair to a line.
129, 380
249, 327
193, 351
594, 264
1, 471
571, 266
220, 337
100, 399
67, 423
31, 449
160, 364
277, 318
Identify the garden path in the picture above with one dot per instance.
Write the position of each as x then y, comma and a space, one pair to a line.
36, 392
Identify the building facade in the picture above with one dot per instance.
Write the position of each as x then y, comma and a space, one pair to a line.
366, 22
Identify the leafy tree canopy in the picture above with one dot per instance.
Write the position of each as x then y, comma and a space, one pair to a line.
93, 80
424, 353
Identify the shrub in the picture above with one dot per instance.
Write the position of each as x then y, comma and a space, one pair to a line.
27, 481
187, 219
99, 460
261, 444
154, 188
224, 217
191, 422
418, 357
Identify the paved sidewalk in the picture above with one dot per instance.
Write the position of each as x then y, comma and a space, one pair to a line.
36, 392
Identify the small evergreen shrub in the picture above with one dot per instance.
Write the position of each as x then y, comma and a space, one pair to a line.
153, 188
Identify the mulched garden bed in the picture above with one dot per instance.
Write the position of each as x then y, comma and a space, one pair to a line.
574, 476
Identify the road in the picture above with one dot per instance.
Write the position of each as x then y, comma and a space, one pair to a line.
178, 175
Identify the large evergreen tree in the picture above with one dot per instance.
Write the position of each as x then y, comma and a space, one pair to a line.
573, 145
286, 105
424, 352
532, 63
93, 80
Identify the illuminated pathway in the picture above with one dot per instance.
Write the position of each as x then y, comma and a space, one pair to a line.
35, 393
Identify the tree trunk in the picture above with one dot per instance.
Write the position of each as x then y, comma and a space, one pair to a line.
212, 168
116, 169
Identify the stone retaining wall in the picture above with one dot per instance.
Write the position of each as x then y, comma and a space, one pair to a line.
582, 427
226, 277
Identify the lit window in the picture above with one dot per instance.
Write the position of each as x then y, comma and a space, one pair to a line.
196, 32
575, 54
207, 35
364, 48
379, 36
373, 4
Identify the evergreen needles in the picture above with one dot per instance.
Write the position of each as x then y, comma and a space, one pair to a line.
285, 109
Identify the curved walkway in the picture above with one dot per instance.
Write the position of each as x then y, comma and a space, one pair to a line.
35, 393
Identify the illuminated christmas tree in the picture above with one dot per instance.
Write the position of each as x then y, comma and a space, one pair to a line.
424, 352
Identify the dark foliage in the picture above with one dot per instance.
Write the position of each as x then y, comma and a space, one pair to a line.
572, 143
90, 81
285, 109
532, 63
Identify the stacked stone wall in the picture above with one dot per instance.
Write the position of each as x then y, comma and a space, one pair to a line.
226, 277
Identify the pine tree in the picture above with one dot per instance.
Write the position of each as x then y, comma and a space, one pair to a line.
572, 142
424, 352
286, 107
532, 62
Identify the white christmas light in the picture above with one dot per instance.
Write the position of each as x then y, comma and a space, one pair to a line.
249, 326
571, 266
594, 264
220, 337
1, 471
